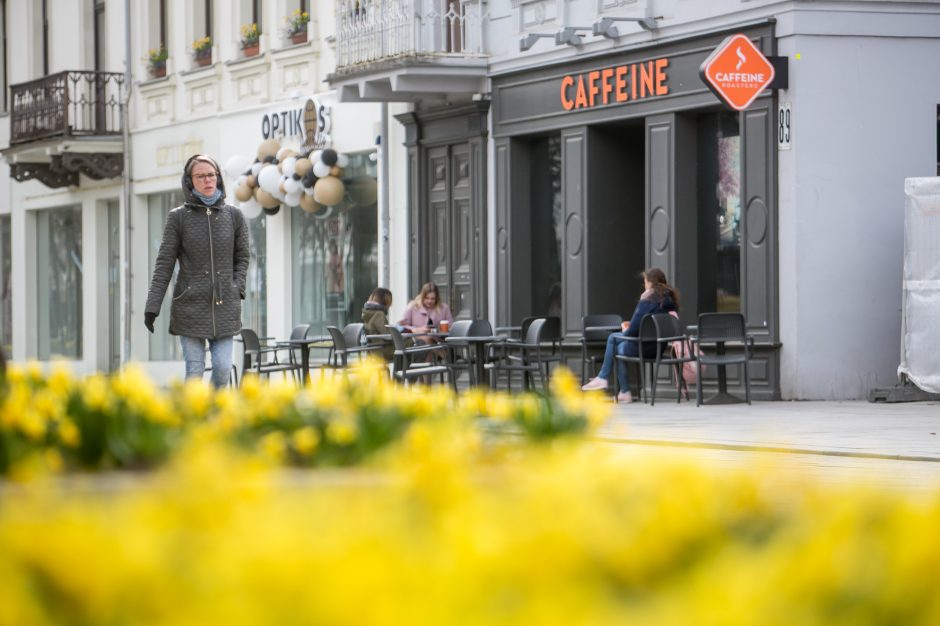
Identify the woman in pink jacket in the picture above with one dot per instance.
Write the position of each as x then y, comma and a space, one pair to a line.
425, 312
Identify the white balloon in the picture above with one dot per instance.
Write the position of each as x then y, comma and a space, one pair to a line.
240, 180
321, 169
293, 199
250, 208
308, 191
269, 178
256, 168
287, 166
280, 195
236, 165
342, 160
291, 186
315, 156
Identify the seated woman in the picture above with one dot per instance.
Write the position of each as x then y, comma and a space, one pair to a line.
375, 317
658, 297
425, 312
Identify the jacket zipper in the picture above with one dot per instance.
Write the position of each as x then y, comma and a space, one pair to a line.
212, 271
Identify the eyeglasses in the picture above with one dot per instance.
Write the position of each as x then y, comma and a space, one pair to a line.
202, 177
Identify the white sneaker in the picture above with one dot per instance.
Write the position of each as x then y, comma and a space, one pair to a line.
624, 396
594, 383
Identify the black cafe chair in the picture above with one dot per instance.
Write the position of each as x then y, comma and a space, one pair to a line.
262, 359
646, 336
718, 329
673, 350
409, 362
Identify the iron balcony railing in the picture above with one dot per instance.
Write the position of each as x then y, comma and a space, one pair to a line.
374, 30
66, 104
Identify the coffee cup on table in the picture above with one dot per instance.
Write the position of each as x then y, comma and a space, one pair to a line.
445, 326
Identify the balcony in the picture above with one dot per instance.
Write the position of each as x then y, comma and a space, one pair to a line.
407, 50
65, 124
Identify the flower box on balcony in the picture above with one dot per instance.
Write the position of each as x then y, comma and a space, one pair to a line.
251, 50
202, 51
157, 70
298, 38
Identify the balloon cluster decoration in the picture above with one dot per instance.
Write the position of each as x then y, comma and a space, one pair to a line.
312, 181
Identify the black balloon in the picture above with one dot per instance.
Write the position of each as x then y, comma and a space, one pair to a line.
309, 179
273, 211
270, 159
328, 156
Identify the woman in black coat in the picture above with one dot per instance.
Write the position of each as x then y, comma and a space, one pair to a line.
209, 239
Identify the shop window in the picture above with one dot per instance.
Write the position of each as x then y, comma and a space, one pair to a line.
547, 225
335, 253
255, 304
163, 345
59, 283
6, 292
719, 202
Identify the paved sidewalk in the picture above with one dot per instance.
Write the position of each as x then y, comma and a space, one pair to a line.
901, 431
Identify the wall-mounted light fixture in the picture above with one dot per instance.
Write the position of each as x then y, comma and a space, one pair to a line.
569, 35
529, 40
606, 28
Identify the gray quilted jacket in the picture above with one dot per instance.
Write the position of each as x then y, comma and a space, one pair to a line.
211, 245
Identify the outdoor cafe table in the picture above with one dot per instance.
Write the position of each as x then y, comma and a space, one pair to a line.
305, 344
479, 345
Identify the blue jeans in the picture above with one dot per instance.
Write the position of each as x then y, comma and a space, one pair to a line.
627, 348
194, 352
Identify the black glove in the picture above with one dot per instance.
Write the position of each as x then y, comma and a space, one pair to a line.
148, 320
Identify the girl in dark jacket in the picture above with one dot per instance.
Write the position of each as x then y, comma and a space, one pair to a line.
209, 239
658, 297
375, 317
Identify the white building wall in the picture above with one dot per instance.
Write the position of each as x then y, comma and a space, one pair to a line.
864, 90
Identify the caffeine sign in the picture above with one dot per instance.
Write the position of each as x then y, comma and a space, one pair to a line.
737, 72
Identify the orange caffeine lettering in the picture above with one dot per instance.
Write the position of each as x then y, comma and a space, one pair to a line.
621, 89
606, 87
661, 89
609, 84
593, 90
580, 100
566, 102
646, 79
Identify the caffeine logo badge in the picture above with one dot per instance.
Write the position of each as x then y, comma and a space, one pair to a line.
737, 72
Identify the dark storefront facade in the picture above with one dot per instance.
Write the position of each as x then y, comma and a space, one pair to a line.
609, 164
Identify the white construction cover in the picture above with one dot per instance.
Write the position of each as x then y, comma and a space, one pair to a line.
920, 299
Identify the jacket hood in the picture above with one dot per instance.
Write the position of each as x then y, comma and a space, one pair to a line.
186, 183
373, 306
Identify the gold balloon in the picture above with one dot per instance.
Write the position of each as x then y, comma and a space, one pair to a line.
308, 204
336, 171
243, 193
363, 190
283, 153
302, 166
266, 200
268, 147
250, 181
329, 191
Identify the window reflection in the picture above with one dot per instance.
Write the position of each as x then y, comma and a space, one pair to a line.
719, 201
547, 225
163, 345
335, 253
59, 275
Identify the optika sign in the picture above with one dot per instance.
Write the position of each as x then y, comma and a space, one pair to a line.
623, 83
737, 72
311, 124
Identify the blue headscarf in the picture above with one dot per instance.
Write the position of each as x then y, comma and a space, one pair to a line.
208, 200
